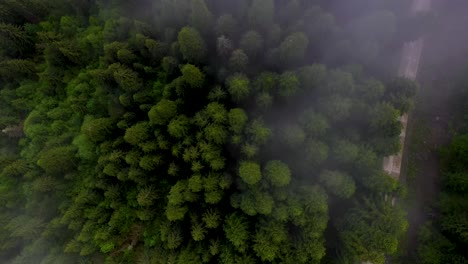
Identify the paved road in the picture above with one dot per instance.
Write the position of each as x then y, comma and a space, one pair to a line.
409, 66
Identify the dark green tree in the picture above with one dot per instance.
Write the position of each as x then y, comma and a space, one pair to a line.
252, 43
59, 160
261, 14
226, 25
238, 61
236, 229
338, 183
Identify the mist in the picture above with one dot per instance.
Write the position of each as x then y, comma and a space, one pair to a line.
208, 131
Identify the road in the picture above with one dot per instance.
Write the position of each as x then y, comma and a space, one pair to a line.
436, 111
409, 66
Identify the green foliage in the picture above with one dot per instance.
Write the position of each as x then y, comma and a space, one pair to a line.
314, 123
293, 48
238, 61
193, 76
174, 131
137, 133
277, 173
252, 43
14, 39
288, 84
57, 160
192, 45
264, 100
444, 240
236, 230
258, 132
344, 151
338, 183
162, 112
226, 25
260, 13
336, 108
238, 86
126, 78
211, 218
250, 172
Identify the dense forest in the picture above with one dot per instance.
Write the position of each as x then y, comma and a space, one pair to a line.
444, 239
201, 131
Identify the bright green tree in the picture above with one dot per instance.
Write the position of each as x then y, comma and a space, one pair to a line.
316, 152
265, 82
258, 131
137, 133
236, 230
97, 130
250, 172
192, 75
292, 135
237, 118
179, 126
312, 76
344, 151
55, 161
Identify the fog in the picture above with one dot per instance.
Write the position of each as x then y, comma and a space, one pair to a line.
215, 131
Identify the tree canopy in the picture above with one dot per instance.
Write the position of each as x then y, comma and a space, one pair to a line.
199, 131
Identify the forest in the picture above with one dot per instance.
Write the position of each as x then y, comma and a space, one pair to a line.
202, 131
444, 238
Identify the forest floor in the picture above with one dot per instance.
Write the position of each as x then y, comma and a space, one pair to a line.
431, 122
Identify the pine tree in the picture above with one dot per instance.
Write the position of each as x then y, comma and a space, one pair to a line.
236, 230
13, 40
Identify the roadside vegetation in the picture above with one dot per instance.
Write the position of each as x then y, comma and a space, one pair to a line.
444, 239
